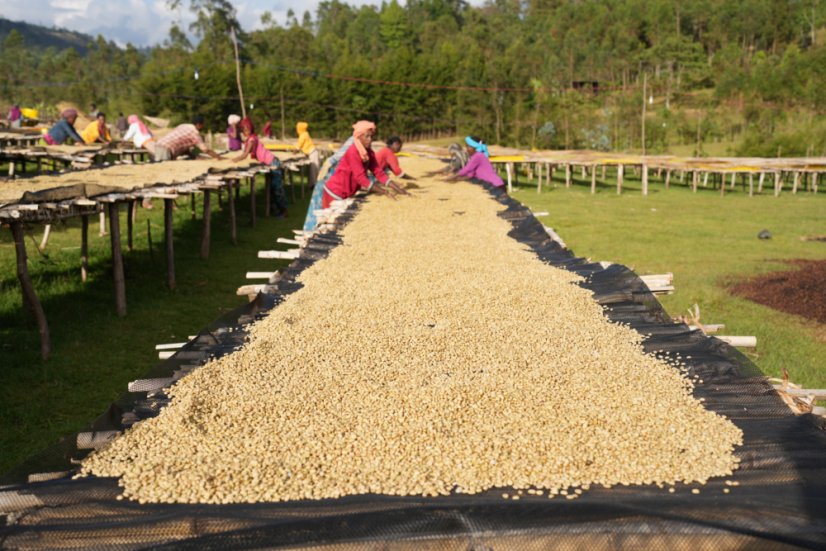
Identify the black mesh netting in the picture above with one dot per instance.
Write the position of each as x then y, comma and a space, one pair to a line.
779, 502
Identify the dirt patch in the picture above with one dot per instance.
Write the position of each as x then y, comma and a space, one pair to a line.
801, 291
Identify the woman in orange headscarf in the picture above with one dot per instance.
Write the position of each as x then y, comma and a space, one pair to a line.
306, 145
351, 173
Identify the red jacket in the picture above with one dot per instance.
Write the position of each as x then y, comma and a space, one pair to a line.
351, 173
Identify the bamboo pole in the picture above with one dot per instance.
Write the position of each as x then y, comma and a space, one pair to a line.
84, 248
29, 294
205, 232
117, 259
238, 73
168, 205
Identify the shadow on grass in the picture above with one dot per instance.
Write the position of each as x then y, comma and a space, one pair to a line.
94, 352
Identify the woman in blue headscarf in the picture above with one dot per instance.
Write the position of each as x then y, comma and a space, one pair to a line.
478, 166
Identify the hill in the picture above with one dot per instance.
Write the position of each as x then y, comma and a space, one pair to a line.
39, 37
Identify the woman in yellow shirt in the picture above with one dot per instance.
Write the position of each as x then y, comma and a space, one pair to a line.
97, 131
306, 145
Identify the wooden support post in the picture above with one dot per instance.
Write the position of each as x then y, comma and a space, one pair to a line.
751, 184
233, 222
705, 179
603, 172
667, 178
760, 182
733, 180
778, 183
29, 295
645, 179
567, 175
252, 202
593, 180
509, 169
168, 206
584, 172
102, 222
694, 177
682, 176
205, 233
814, 182
268, 176
117, 259
539, 177
84, 247
722, 184
130, 222
796, 182
620, 171
45, 240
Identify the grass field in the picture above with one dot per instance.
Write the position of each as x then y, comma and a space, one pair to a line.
707, 241
95, 353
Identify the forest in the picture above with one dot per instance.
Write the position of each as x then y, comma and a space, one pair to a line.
700, 77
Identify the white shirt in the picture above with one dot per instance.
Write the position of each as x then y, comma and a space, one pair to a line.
134, 133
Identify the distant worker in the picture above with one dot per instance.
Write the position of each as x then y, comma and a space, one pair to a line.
350, 175
478, 166
182, 140
387, 159
97, 131
93, 111
318, 191
63, 129
254, 148
306, 145
233, 135
15, 116
139, 134
122, 125
267, 130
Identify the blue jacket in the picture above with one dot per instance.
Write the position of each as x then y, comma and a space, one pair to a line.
62, 130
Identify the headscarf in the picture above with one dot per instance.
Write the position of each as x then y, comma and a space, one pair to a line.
478, 146
301, 127
362, 127
246, 124
233, 119
134, 119
69, 113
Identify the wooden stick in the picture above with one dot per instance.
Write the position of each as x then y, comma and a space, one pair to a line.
252, 202
45, 240
281, 255
117, 259
84, 247
168, 205
778, 183
760, 182
539, 177
705, 179
796, 182
740, 342
29, 295
645, 179
233, 221
260, 275
819, 393
102, 221
751, 184
722, 184
814, 182
238, 73
170, 346
667, 178
594, 180
130, 224
205, 233
694, 178
567, 175
620, 171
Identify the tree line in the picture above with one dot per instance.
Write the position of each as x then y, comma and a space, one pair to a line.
534, 73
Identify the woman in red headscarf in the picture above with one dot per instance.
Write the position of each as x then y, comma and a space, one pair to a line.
254, 148
351, 173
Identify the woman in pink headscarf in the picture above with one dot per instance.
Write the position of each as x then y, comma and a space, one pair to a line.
351, 173
139, 134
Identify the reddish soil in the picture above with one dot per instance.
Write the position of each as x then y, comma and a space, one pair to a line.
801, 291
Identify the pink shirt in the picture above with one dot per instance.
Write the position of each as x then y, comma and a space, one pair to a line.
351, 173
258, 151
479, 167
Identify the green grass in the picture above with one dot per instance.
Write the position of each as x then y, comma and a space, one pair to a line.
95, 353
707, 241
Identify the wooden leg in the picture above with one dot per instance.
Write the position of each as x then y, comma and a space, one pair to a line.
760, 182
252, 202
620, 174
644, 179
722, 184
796, 182
509, 169
267, 194
117, 260
205, 235
130, 224
593, 180
84, 247
778, 183
102, 222
29, 296
733, 180
567, 175
667, 178
694, 177
168, 205
705, 179
751, 184
814, 182
233, 224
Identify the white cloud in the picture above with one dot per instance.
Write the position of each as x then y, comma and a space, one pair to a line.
142, 22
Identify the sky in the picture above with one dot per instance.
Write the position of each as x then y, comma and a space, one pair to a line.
141, 22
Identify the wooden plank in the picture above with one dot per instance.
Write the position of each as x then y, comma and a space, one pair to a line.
739, 341
29, 294
819, 393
